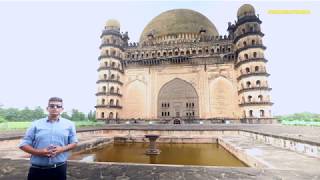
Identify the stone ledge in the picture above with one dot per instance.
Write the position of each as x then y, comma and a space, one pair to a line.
18, 169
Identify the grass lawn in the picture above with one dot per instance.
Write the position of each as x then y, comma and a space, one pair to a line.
24, 125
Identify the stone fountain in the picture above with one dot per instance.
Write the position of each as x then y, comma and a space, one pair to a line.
152, 150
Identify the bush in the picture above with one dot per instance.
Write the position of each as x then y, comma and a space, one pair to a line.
2, 119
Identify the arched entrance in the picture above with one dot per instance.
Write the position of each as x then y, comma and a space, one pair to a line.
179, 99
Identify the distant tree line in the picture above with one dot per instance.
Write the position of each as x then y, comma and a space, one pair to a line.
304, 116
27, 114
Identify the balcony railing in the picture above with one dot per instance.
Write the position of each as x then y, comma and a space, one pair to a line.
108, 94
259, 73
109, 56
110, 32
251, 46
256, 103
254, 89
110, 68
239, 63
109, 106
111, 45
110, 80
259, 33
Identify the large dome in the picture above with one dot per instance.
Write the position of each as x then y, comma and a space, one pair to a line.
178, 21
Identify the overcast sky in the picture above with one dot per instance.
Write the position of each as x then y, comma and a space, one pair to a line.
52, 48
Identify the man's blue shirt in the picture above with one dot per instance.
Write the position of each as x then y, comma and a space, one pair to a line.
43, 133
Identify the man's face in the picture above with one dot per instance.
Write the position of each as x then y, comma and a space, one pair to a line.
55, 108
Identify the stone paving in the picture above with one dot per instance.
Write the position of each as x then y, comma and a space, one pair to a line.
274, 157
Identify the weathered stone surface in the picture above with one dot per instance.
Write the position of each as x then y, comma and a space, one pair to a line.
18, 169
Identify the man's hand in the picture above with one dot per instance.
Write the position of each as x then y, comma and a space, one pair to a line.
57, 150
44, 152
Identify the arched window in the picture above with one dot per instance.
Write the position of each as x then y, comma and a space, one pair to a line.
104, 76
188, 52
256, 68
102, 115
254, 54
162, 113
153, 54
111, 115
187, 105
176, 53
111, 102
112, 89
248, 84
170, 53
250, 113
182, 53
113, 64
106, 64
247, 70
249, 98
103, 101
246, 56
112, 76
199, 51
194, 51
243, 31
253, 42
117, 102
107, 52
108, 41
158, 54
244, 43
117, 90
168, 113
212, 51
104, 88
258, 83
261, 113
260, 97
113, 53
164, 54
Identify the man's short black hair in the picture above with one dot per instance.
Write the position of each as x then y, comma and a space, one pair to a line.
55, 99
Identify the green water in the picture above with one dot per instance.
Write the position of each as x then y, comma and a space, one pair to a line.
179, 154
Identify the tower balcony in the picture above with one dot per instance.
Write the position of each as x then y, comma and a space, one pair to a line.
256, 103
110, 68
109, 56
110, 80
239, 63
108, 94
111, 45
258, 73
254, 89
259, 33
246, 19
251, 46
106, 32
109, 106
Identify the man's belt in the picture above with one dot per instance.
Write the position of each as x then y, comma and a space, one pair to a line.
49, 166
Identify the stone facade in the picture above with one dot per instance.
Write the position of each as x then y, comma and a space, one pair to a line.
183, 70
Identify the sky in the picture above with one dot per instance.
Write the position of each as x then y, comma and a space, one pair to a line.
52, 48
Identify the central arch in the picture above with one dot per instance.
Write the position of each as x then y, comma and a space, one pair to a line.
178, 98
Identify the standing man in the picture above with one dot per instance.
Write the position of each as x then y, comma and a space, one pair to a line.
48, 140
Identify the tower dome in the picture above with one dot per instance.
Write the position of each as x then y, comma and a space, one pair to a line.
113, 24
178, 21
245, 10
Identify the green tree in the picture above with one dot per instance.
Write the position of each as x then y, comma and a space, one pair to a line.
77, 115
92, 115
